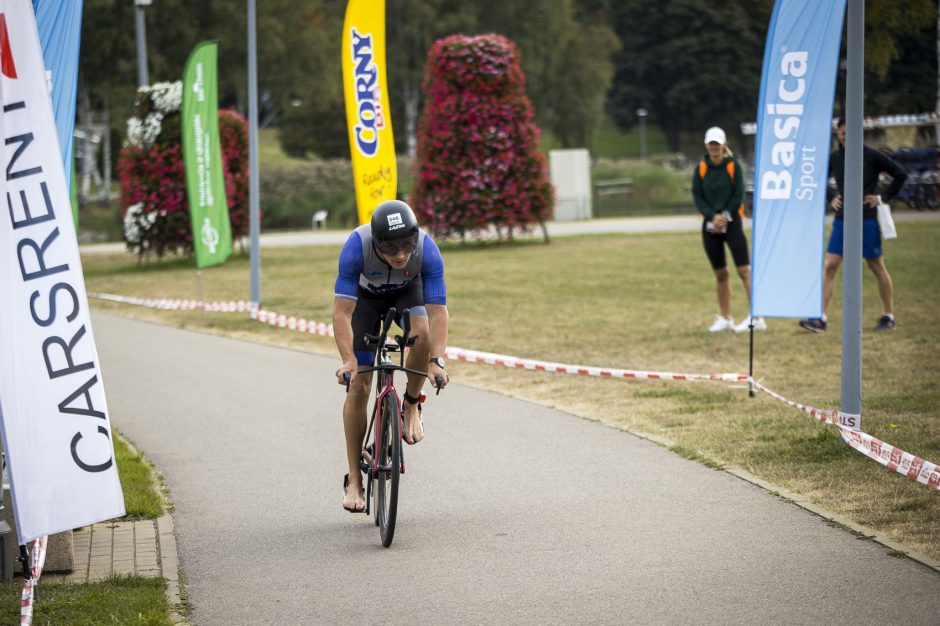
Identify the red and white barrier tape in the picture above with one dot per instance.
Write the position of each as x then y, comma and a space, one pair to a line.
166, 304
891, 457
902, 462
512, 362
292, 322
37, 558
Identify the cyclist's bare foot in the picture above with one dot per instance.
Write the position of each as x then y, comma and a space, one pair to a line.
353, 500
414, 427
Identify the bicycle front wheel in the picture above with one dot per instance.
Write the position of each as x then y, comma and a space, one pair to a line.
388, 462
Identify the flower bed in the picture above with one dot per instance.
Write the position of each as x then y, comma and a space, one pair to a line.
477, 159
153, 184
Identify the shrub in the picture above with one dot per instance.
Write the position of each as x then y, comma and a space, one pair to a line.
657, 189
153, 183
292, 191
477, 158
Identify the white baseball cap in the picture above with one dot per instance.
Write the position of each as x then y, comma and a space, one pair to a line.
714, 134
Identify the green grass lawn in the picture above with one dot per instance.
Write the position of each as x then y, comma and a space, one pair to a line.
644, 302
142, 488
119, 601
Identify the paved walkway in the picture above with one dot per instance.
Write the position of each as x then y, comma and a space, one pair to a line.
512, 513
143, 547
148, 547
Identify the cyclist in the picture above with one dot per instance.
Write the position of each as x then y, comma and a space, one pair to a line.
390, 262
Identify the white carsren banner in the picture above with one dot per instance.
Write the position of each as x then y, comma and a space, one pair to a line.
56, 433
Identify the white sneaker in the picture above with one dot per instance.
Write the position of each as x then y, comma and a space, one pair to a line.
721, 323
743, 327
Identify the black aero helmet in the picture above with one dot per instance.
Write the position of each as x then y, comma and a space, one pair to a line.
393, 219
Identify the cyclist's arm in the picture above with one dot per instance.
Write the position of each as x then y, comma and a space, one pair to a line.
346, 292
343, 335
437, 324
435, 302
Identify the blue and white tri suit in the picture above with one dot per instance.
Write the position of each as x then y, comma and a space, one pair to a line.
376, 286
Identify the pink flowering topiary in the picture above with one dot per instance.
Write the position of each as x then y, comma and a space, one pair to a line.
477, 159
153, 183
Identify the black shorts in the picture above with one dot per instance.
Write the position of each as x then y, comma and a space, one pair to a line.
371, 310
715, 245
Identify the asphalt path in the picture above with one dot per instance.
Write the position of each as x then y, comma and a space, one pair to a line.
510, 512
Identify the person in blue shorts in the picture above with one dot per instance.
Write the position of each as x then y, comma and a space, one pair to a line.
874, 163
390, 262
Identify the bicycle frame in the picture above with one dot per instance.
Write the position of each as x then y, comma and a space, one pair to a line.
385, 385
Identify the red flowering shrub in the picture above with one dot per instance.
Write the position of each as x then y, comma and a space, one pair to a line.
477, 159
153, 182
233, 137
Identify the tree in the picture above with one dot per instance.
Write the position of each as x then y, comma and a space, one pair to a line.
478, 164
905, 87
579, 102
412, 26
153, 184
696, 63
691, 64
888, 24
565, 48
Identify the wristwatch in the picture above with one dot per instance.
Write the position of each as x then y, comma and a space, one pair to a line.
439, 361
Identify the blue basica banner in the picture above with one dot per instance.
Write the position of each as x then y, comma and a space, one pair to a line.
60, 28
794, 134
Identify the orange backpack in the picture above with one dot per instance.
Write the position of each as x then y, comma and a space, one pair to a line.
703, 168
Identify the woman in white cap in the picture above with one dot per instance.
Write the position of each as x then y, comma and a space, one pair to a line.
718, 190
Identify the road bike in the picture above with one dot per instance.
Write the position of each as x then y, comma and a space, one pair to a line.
383, 460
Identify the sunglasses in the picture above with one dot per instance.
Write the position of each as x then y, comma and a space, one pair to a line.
394, 246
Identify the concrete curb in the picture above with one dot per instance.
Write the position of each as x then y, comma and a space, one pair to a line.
169, 565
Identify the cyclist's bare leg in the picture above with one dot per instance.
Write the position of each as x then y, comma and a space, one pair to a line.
354, 424
418, 356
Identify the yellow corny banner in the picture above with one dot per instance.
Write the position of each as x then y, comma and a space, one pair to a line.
368, 114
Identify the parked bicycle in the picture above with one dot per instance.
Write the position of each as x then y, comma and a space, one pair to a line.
921, 190
383, 459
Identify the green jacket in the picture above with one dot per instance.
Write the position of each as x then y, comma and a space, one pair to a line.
715, 192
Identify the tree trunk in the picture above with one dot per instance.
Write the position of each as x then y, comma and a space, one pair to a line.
412, 95
672, 138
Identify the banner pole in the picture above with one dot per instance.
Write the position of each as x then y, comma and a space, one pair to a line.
24, 559
254, 211
202, 299
750, 363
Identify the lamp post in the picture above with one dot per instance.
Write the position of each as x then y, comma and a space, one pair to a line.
254, 190
641, 114
140, 29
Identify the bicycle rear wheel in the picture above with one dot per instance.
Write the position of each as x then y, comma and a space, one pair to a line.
388, 460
